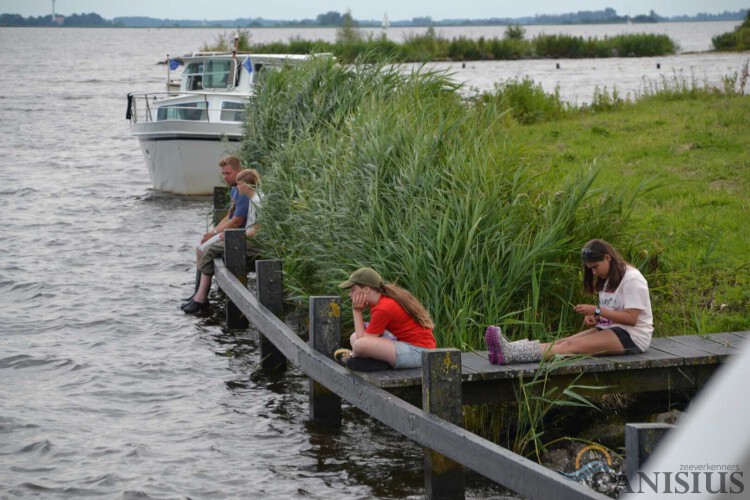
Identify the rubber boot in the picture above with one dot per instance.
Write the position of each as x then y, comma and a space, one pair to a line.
502, 351
187, 301
523, 352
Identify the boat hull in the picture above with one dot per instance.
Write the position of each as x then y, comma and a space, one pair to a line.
183, 157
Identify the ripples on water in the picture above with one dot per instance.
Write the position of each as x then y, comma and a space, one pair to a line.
108, 389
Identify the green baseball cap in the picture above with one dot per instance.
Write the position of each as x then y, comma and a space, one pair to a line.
363, 276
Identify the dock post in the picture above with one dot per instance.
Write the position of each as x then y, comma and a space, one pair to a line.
269, 280
236, 261
325, 337
441, 396
221, 199
640, 442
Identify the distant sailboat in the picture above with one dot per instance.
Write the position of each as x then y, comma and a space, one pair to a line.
386, 24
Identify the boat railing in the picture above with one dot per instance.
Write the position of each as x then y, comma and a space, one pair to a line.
141, 108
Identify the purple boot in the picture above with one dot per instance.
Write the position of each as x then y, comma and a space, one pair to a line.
495, 341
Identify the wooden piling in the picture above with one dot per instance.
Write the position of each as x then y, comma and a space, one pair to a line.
235, 259
640, 442
221, 202
441, 396
269, 279
325, 338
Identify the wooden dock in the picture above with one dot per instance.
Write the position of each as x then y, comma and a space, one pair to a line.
447, 380
671, 363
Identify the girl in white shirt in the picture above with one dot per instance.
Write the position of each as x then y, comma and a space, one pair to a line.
621, 323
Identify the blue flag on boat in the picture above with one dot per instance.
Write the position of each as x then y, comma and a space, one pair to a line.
174, 63
248, 65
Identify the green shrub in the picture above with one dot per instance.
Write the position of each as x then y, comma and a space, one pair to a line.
738, 40
526, 101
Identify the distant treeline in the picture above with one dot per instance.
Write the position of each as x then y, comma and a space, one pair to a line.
79, 20
335, 19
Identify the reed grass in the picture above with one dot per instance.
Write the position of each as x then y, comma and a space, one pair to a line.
479, 214
536, 399
479, 206
369, 165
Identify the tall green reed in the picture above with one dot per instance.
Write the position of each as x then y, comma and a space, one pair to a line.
373, 165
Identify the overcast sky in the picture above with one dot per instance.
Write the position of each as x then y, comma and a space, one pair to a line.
361, 9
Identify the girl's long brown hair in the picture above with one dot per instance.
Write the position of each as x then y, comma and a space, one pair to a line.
410, 303
594, 251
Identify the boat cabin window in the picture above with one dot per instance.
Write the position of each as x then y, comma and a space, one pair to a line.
218, 74
190, 111
233, 112
194, 76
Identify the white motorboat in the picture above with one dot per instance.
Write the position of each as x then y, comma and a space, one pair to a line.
184, 133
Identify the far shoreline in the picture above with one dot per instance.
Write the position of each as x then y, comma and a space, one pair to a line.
376, 28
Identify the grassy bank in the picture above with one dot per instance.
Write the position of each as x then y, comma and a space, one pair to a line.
482, 216
351, 44
737, 40
689, 233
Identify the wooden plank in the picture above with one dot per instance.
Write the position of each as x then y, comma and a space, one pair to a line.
473, 364
658, 358
411, 377
593, 364
520, 370
744, 334
649, 379
690, 355
707, 345
476, 366
628, 362
729, 339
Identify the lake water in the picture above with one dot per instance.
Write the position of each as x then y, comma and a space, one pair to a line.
108, 389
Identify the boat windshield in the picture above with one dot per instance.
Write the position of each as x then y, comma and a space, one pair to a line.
209, 74
194, 75
218, 74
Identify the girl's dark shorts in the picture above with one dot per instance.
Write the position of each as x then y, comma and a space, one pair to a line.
625, 340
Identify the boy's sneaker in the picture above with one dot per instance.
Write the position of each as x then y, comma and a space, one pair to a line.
493, 337
342, 356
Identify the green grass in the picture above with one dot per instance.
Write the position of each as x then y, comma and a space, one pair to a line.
690, 232
480, 207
